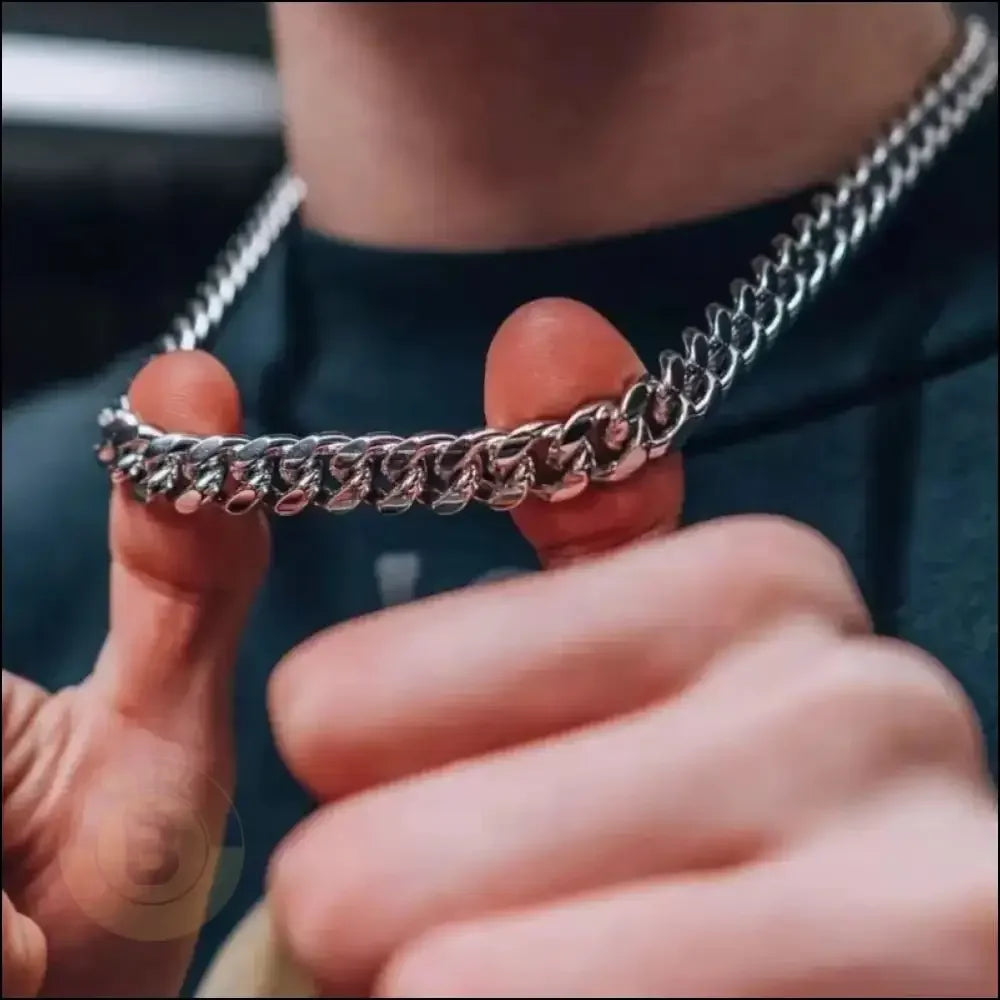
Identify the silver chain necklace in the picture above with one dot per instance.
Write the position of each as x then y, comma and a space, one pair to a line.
603, 442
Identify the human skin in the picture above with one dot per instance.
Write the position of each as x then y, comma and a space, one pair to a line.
677, 763
115, 790
645, 779
480, 125
688, 671
680, 766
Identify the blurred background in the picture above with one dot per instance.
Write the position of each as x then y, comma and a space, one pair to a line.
135, 136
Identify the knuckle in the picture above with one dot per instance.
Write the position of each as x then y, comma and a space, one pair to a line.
975, 924
961, 902
781, 544
782, 564
898, 690
293, 672
296, 702
298, 908
321, 719
771, 531
437, 963
283, 702
277, 701
324, 890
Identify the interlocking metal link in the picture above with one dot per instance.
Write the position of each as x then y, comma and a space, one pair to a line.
603, 442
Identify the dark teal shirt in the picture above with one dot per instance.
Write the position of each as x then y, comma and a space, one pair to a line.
874, 420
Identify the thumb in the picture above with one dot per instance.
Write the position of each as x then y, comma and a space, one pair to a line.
181, 584
23, 953
546, 360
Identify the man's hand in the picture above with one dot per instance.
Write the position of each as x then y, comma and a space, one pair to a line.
115, 791
684, 768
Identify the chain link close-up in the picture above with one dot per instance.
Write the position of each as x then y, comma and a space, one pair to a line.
603, 442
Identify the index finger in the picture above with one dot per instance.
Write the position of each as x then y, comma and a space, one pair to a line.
465, 673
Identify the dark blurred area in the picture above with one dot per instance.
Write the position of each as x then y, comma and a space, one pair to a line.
117, 195
108, 221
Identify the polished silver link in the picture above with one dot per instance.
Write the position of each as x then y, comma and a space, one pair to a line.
603, 442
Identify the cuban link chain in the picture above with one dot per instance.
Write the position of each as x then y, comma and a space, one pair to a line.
603, 442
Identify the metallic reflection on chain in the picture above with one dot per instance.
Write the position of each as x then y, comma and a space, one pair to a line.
602, 442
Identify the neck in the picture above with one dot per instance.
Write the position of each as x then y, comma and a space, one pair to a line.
479, 126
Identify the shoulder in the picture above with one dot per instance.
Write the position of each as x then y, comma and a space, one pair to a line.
54, 528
